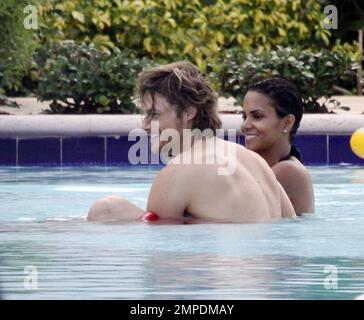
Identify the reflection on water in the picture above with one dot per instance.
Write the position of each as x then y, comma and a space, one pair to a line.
357, 176
42, 224
100, 264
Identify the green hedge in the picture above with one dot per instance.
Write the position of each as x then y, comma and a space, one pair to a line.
234, 42
81, 79
17, 43
199, 31
314, 73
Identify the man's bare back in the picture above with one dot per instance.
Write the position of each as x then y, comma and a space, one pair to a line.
250, 193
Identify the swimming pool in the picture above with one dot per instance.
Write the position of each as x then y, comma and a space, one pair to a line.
43, 228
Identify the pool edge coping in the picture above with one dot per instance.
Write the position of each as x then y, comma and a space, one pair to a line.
41, 126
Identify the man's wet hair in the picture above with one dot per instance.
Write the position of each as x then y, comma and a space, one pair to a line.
183, 86
284, 97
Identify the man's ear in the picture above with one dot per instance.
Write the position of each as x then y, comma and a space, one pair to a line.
190, 113
289, 122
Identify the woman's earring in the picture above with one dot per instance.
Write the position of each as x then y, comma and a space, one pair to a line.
285, 131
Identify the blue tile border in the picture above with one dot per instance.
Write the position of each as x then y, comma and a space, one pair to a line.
313, 149
8, 152
45, 151
340, 151
117, 150
83, 151
110, 151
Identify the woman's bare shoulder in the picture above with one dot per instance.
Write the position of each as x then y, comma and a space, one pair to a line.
291, 171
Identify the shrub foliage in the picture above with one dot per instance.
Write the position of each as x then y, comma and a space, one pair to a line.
196, 30
314, 73
82, 79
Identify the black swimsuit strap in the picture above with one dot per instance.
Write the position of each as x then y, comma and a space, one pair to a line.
286, 157
294, 152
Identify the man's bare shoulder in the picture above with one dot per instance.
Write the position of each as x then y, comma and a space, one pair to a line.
170, 171
168, 197
253, 161
174, 174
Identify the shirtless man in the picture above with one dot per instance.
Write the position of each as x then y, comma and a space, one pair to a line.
177, 97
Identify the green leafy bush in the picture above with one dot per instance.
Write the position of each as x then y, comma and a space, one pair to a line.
314, 73
199, 31
4, 101
2, 67
82, 79
17, 43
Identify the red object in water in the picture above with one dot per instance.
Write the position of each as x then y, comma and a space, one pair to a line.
150, 216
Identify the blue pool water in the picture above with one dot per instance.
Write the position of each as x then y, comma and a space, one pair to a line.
42, 225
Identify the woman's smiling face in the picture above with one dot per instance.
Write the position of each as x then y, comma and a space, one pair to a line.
261, 126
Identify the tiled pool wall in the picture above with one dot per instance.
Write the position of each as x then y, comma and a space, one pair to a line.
21, 146
111, 151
